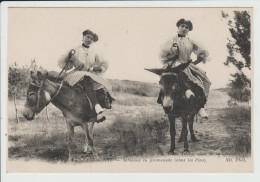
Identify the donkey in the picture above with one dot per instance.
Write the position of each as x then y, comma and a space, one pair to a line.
74, 104
173, 84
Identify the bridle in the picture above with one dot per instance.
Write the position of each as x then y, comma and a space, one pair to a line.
177, 83
39, 95
178, 91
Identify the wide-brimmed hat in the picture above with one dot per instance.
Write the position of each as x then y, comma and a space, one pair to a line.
89, 32
186, 22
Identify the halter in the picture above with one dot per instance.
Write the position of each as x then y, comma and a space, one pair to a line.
38, 97
39, 92
178, 81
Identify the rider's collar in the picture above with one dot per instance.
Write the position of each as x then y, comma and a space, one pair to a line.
181, 35
85, 46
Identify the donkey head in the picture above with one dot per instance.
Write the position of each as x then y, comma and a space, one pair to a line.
170, 85
36, 98
104, 98
169, 90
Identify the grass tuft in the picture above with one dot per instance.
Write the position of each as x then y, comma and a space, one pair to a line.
238, 123
136, 137
50, 148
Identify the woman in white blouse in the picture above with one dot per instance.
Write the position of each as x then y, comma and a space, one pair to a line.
87, 63
178, 50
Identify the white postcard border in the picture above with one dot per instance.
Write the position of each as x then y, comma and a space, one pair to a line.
130, 177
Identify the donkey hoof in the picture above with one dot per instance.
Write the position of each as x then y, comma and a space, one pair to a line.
96, 156
88, 152
180, 140
70, 159
193, 139
171, 152
186, 151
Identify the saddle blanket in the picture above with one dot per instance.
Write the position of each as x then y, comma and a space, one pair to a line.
75, 76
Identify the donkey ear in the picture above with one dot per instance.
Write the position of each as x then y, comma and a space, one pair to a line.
156, 71
40, 75
179, 68
31, 74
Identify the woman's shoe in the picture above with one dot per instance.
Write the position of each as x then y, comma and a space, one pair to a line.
98, 109
189, 94
100, 118
203, 114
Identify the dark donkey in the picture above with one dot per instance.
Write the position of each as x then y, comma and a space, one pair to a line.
74, 104
173, 84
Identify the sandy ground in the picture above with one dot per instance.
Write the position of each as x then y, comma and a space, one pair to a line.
213, 136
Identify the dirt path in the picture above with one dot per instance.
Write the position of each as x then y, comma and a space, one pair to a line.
212, 135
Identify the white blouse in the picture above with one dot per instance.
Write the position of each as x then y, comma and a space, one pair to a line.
85, 59
186, 47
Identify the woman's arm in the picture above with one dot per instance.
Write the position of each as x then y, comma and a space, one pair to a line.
72, 58
65, 61
202, 54
169, 52
100, 65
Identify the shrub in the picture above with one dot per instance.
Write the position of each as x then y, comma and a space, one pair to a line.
135, 87
19, 79
238, 123
138, 136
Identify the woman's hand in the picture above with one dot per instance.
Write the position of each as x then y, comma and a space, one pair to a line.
174, 49
79, 66
97, 69
202, 56
171, 56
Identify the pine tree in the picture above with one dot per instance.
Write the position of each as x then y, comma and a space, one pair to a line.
239, 48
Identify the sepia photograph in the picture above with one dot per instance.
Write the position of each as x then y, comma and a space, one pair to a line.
129, 90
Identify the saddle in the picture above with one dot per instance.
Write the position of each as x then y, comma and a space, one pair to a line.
104, 98
54, 76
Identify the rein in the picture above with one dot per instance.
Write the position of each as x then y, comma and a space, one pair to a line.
39, 92
57, 91
71, 53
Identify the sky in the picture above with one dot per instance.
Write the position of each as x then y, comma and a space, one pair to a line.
129, 38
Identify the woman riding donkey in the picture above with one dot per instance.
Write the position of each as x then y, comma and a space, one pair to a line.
178, 51
89, 67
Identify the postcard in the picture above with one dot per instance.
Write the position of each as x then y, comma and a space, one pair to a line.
128, 88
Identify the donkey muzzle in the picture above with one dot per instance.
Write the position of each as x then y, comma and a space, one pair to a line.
28, 114
167, 109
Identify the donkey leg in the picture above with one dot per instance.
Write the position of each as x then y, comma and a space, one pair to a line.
70, 143
91, 135
181, 136
185, 134
172, 133
86, 147
190, 122
89, 144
